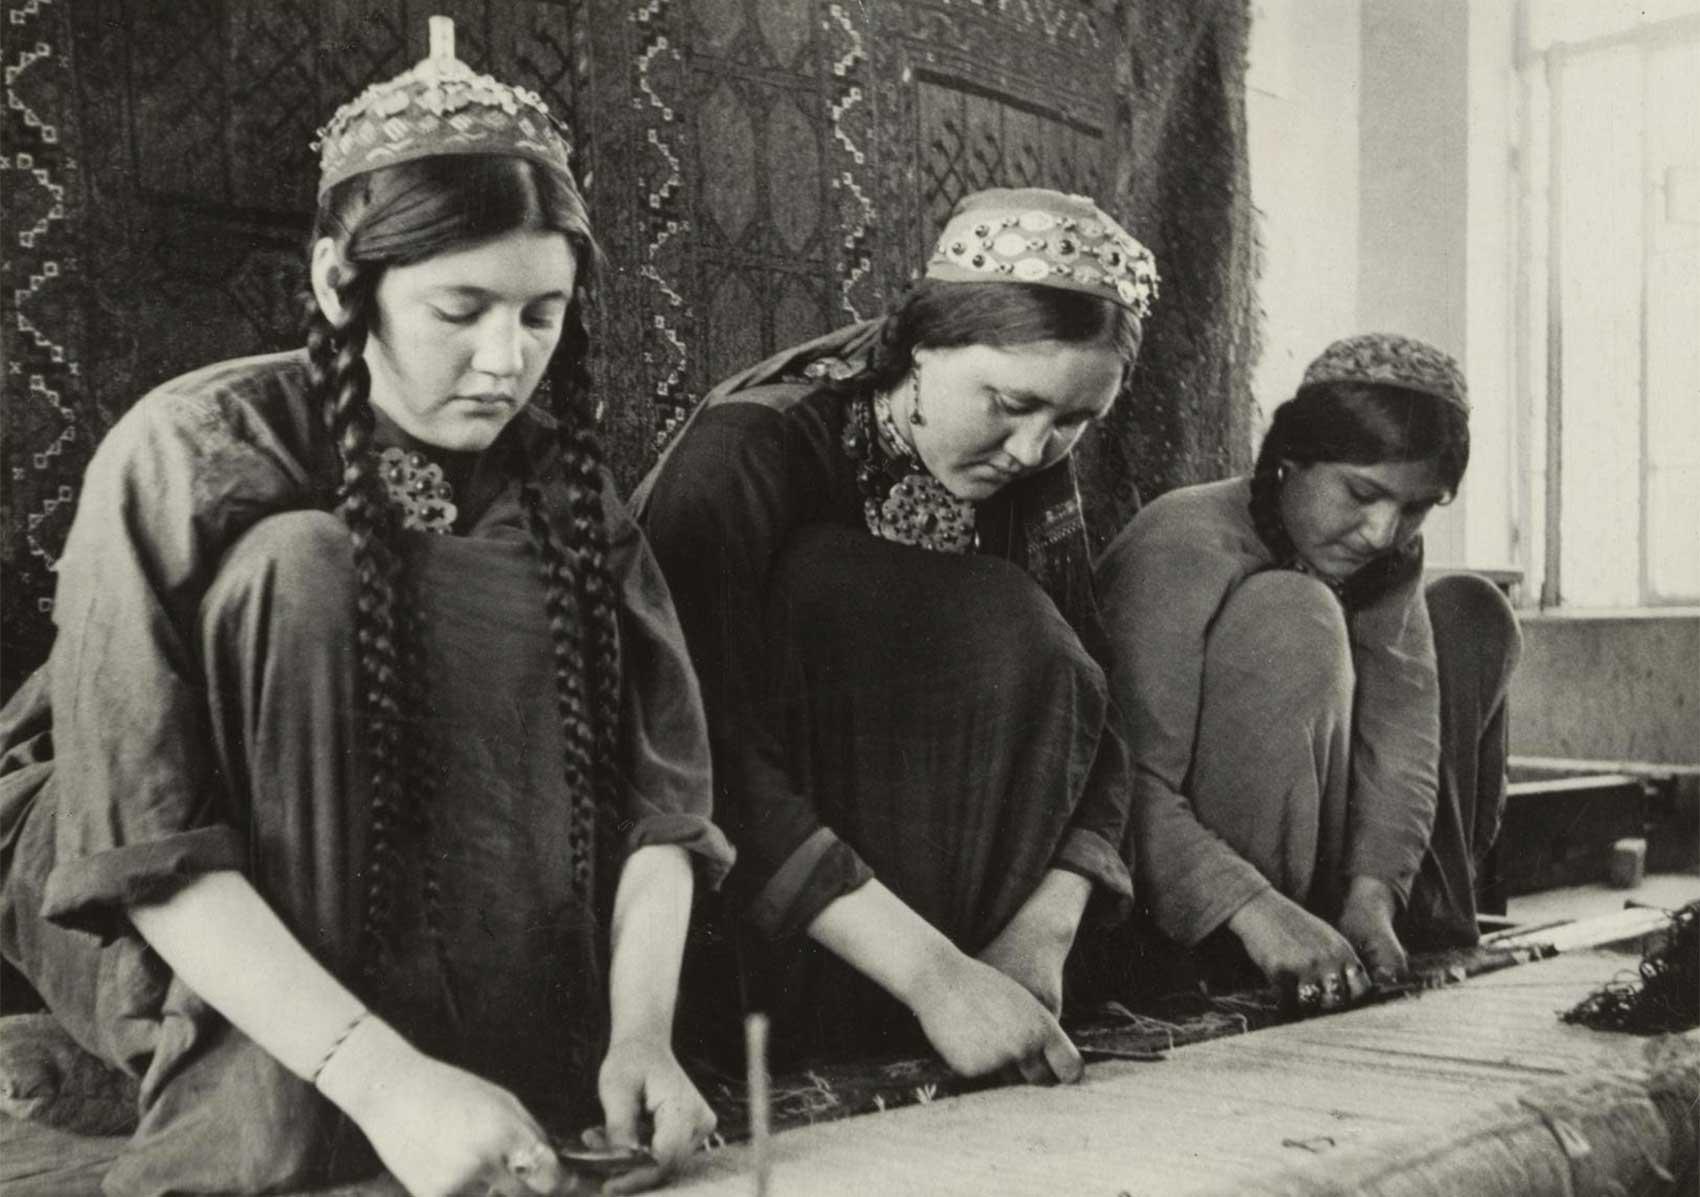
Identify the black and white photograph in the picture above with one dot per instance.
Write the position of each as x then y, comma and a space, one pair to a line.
773, 598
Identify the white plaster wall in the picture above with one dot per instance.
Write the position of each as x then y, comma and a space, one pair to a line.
1302, 121
1421, 243
1489, 509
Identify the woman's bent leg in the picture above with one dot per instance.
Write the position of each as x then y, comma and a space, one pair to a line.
945, 720
1476, 647
219, 1113
1271, 760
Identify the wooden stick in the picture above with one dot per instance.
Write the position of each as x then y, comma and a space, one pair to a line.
761, 1102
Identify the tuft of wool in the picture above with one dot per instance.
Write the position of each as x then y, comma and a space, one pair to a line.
1664, 996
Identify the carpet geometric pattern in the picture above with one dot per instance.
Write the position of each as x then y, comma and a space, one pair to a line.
758, 171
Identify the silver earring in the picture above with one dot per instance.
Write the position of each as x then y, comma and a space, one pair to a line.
915, 416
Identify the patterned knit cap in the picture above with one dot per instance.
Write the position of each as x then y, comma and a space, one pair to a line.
1033, 235
1394, 359
441, 106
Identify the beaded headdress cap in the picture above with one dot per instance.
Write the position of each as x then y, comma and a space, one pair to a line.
1034, 235
441, 106
1393, 359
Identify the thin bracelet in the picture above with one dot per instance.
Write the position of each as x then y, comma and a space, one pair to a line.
336, 1045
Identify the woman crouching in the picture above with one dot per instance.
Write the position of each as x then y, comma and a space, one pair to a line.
365, 691
1318, 737
876, 545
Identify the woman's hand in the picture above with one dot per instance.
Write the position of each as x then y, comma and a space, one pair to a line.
439, 1130
1299, 952
1033, 946
979, 1021
641, 1078
975, 1017
1367, 921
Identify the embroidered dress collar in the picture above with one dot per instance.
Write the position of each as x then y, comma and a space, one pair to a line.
421, 480
901, 501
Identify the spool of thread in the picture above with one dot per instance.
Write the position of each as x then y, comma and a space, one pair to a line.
1628, 863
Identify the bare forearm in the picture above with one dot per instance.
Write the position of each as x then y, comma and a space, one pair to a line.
652, 912
1058, 903
225, 943
872, 929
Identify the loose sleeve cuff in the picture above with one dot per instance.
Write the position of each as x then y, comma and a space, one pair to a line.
91, 893
1094, 858
1217, 900
710, 850
822, 869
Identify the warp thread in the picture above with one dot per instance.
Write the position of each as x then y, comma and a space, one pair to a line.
1663, 997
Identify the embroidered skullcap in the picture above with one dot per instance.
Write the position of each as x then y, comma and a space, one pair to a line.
441, 106
1391, 358
1033, 235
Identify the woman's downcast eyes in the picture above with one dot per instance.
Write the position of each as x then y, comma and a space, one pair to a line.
1410, 510
544, 318
1010, 406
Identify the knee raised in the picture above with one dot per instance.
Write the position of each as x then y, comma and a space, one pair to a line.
295, 553
1290, 625
1467, 609
1021, 628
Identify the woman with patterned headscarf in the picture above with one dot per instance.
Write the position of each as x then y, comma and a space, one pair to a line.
876, 545
368, 702
1318, 737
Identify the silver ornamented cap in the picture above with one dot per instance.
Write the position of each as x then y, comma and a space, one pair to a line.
441, 106
1035, 235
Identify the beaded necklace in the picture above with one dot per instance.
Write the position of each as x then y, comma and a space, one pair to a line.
421, 494
901, 501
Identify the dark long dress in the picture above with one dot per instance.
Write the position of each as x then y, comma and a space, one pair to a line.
196, 715
876, 710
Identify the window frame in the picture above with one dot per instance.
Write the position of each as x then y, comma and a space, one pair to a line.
1543, 66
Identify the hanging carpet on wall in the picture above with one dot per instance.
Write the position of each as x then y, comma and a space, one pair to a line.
759, 171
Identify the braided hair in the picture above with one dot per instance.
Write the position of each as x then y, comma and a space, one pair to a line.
1360, 423
401, 215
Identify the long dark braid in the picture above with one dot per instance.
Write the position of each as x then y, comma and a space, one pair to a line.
581, 454
340, 377
422, 773
399, 215
578, 598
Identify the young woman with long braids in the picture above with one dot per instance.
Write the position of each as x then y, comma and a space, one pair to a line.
1318, 736
876, 544
367, 703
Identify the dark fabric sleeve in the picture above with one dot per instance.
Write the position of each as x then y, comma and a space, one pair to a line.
1092, 845
1395, 780
734, 490
665, 766
140, 805
1161, 584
